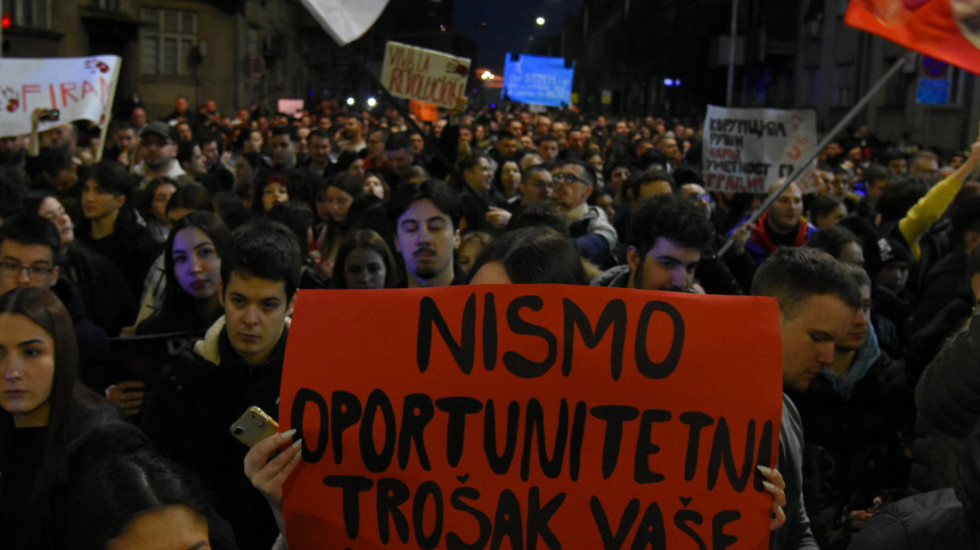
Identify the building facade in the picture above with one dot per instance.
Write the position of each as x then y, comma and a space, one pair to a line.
236, 52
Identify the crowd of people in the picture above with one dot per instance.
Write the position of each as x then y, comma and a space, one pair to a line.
195, 230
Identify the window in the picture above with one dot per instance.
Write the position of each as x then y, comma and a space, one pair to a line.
107, 5
166, 42
29, 13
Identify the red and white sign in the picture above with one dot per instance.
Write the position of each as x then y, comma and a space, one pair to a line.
81, 88
748, 150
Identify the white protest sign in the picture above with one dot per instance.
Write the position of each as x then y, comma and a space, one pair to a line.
81, 88
747, 150
426, 75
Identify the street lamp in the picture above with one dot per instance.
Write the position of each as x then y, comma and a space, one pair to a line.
372, 102
540, 21
350, 101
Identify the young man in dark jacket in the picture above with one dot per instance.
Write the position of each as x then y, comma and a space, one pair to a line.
238, 364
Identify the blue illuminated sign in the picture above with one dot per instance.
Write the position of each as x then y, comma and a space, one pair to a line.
932, 92
538, 80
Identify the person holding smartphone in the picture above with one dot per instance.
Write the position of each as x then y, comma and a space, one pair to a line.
236, 365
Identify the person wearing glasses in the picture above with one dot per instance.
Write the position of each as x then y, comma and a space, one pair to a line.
28, 257
593, 235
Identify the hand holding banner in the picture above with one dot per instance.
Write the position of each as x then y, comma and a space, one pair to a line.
540, 414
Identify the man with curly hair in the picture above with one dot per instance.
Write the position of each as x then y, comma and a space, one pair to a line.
663, 246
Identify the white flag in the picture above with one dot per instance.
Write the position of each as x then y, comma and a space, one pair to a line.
345, 20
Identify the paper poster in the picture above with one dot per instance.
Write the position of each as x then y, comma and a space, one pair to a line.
531, 416
748, 150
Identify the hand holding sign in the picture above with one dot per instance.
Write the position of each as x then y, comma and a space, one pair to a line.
268, 476
775, 485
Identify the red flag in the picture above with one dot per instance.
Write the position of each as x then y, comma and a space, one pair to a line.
945, 29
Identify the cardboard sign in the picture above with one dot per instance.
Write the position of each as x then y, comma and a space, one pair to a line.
81, 88
532, 416
747, 150
427, 75
944, 29
538, 80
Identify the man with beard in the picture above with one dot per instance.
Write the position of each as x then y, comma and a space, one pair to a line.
284, 140
352, 135
320, 161
159, 155
663, 246
781, 225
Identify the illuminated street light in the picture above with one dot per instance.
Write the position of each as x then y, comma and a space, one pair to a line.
350, 100
487, 75
372, 102
539, 20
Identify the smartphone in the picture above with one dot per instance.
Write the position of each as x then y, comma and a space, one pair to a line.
50, 116
254, 426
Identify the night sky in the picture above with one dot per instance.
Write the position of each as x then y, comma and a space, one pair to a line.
509, 25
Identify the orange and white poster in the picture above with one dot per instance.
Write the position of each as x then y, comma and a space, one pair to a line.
531, 416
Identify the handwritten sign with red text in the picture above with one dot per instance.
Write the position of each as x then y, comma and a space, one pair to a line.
426, 75
748, 150
530, 416
81, 88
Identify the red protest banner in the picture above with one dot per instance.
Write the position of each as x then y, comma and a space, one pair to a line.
944, 29
537, 416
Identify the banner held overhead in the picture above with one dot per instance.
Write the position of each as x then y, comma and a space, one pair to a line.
80, 88
748, 150
410, 72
